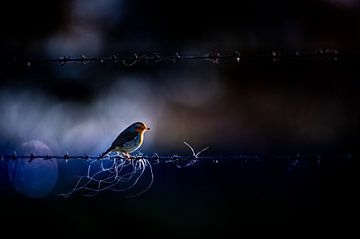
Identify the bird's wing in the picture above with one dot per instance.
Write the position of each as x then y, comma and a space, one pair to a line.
123, 138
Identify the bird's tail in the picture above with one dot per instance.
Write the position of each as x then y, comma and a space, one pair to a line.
104, 154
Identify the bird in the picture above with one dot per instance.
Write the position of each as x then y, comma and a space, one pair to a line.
128, 140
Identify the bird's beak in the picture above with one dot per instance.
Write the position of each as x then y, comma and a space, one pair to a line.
147, 128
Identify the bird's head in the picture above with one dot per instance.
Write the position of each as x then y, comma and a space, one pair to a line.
139, 127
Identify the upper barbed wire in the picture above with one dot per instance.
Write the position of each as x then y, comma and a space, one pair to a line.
213, 57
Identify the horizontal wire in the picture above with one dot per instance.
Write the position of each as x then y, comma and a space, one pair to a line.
175, 158
214, 57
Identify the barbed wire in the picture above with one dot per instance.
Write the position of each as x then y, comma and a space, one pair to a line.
124, 174
176, 158
213, 57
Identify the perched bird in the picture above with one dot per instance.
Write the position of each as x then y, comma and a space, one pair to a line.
129, 140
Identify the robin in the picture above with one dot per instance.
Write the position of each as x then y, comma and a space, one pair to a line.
129, 140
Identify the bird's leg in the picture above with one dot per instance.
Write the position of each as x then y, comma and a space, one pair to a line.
132, 160
127, 155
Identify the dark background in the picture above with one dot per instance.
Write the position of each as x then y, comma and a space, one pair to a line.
261, 107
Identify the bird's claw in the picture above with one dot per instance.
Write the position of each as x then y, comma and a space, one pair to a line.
128, 156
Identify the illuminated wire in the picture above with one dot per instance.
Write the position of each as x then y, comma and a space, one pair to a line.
113, 178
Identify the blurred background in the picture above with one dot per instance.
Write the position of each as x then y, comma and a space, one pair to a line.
261, 107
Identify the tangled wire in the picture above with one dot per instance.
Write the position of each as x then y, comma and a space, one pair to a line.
116, 174
122, 174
